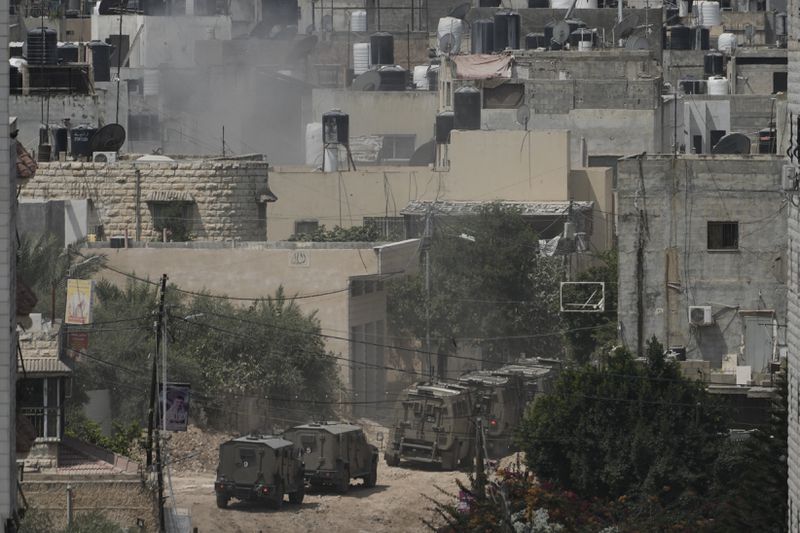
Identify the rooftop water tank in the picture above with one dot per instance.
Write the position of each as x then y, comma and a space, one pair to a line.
560, 4
335, 127
381, 46
714, 64
358, 20
101, 56
420, 77
393, 78
534, 41
701, 38
68, 53
42, 46
726, 42
506, 30
482, 37
443, 127
707, 13
360, 58
691, 85
680, 37
80, 138
467, 109
586, 4
433, 78
717, 85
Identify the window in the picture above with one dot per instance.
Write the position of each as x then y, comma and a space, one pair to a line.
780, 82
305, 226
356, 287
262, 219
173, 219
397, 148
505, 96
723, 235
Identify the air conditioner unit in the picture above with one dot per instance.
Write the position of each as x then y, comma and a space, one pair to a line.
700, 315
104, 157
789, 175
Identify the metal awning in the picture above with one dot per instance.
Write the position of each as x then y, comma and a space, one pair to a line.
43, 366
170, 197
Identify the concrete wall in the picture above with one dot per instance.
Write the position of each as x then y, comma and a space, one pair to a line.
663, 211
8, 359
258, 270
381, 113
225, 194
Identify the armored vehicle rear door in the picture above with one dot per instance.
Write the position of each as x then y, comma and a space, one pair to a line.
312, 444
242, 462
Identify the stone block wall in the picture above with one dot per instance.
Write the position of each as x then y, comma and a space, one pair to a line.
120, 500
224, 195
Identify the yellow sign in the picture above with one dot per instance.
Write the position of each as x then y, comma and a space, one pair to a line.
80, 296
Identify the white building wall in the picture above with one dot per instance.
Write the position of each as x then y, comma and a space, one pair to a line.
8, 362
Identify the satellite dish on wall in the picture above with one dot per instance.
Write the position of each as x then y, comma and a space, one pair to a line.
109, 138
447, 43
424, 155
368, 81
637, 43
732, 143
561, 32
624, 28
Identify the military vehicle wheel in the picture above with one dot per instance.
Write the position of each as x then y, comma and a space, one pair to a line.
297, 496
222, 501
343, 483
372, 478
393, 460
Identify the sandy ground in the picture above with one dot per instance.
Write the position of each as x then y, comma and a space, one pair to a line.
397, 503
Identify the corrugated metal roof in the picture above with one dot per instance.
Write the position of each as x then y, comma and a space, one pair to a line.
43, 365
170, 196
473, 208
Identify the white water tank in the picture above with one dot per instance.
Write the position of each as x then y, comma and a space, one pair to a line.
726, 42
421, 77
150, 82
358, 20
707, 14
449, 30
360, 58
560, 4
584, 46
314, 144
717, 85
683, 8
331, 158
586, 4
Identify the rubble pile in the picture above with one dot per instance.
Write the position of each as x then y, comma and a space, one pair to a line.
195, 450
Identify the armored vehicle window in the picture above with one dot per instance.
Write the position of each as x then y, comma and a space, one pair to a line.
247, 456
309, 443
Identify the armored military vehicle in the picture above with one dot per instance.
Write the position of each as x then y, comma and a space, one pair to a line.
334, 453
259, 468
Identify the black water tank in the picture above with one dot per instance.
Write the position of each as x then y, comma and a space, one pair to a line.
444, 125
101, 55
700, 38
538, 4
42, 46
335, 127
60, 136
581, 35
766, 141
482, 37
68, 53
467, 109
506, 30
15, 80
534, 41
433, 78
16, 50
680, 37
393, 78
381, 48
80, 138
714, 64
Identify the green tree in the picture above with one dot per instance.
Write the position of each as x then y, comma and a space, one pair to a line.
488, 283
340, 234
625, 429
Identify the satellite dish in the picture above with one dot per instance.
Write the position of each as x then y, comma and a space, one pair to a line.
447, 43
460, 11
523, 115
561, 32
109, 138
368, 81
637, 43
732, 143
624, 28
424, 155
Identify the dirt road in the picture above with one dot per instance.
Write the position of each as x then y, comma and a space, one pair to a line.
396, 504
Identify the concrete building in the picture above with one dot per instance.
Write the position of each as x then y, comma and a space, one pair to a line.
214, 200
703, 260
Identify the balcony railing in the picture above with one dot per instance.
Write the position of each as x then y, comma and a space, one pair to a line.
46, 420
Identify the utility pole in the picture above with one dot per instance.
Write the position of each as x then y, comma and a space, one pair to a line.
480, 472
154, 391
675, 122
427, 241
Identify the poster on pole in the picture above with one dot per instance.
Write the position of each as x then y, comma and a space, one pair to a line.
80, 297
177, 406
